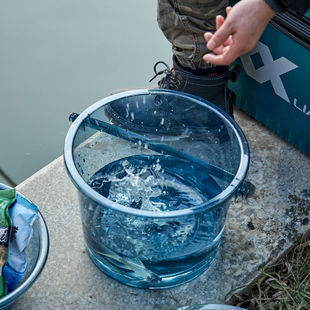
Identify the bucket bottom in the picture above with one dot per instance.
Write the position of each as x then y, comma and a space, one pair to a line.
133, 272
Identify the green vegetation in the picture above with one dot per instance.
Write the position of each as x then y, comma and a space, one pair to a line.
285, 285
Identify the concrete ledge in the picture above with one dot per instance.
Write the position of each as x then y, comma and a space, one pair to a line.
258, 231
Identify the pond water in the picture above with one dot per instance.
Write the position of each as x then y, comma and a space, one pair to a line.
58, 57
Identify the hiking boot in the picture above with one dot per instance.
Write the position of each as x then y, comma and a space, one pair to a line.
166, 113
211, 86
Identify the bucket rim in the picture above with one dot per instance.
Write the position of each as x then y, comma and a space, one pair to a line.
217, 200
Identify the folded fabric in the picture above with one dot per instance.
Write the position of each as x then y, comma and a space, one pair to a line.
23, 213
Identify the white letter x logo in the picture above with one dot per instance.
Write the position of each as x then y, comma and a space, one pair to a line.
271, 71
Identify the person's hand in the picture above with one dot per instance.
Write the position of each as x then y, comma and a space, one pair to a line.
239, 32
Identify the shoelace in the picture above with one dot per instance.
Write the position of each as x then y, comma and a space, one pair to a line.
167, 81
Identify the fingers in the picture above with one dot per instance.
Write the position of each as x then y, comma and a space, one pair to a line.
219, 50
228, 55
208, 36
219, 21
220, 36
222, 47
228, 41
223, 59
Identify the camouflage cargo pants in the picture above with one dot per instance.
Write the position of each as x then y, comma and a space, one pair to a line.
184, 22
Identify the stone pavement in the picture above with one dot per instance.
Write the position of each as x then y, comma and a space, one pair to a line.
258, 231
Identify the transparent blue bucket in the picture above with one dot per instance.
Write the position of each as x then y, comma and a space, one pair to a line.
155, 170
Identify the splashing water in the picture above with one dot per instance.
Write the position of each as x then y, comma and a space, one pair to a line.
132, 182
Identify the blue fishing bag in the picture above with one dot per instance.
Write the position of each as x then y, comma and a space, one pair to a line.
273, 86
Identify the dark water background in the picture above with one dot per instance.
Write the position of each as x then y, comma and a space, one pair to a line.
58, 57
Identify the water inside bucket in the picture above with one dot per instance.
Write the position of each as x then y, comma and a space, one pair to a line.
156, 247
155, 183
